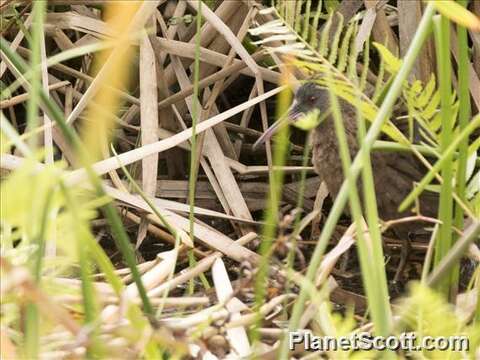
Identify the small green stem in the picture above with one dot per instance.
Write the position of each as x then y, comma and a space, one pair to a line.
444, 267
193, 140
32, 335
303, 177
300, 200
32, 331
90, 308
192, 179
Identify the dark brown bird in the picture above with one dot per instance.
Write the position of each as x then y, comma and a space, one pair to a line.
394, 173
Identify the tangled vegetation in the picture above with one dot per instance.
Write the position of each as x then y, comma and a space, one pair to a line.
139, 221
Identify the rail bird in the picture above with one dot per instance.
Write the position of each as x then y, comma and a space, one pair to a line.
394, 173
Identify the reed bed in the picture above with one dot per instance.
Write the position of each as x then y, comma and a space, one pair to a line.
138, 221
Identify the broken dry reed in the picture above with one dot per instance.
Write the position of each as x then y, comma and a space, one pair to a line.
197, 93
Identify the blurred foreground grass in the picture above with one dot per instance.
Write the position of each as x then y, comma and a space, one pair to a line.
64, 295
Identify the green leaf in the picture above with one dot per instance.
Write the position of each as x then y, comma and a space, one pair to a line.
457, 13
426, 95
426, 313
392, 63
431, 109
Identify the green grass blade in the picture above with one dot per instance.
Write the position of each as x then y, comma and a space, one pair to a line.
445, 156
32, 330
271, 213
193, 140
463, 117
39, 8
90, 306
373, 272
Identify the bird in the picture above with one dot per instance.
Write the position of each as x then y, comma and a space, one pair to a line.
394, 173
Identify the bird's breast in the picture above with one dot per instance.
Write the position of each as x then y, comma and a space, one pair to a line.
329, 168
326, 156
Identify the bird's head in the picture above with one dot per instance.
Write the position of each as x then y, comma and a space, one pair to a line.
304, 112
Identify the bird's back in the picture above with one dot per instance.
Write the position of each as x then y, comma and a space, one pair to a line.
394, 173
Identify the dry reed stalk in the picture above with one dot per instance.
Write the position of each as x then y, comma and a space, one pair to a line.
152, 278
381, 30
16, 41
20, 278
153, 127
106, 165
18, 99
148, 120
237, 336
202, 266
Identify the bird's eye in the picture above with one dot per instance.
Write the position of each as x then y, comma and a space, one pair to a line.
312, 99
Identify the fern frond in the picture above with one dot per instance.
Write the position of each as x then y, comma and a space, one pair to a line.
313, 29
366, 63
297, 19
422, 101
346, 44
306, 19
323, 48
303, 40
332, 57
299, 37
289, 20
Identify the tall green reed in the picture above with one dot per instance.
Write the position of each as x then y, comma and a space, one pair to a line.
194, 160
195, 116
32, 316
463, 118
376, 279
371, 136
271, 213
445, 212
39, 9
369, 246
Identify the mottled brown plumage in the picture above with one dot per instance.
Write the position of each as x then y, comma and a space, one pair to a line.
394, 173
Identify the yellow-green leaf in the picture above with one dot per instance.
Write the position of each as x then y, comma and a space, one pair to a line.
392, 63
457, 13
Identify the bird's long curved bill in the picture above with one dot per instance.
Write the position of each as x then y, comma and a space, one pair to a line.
267, 135
291, 115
